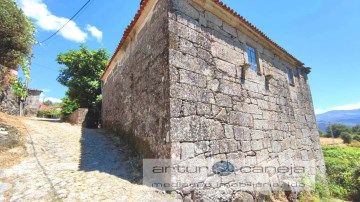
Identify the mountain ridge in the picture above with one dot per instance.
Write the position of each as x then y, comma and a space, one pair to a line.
346, 117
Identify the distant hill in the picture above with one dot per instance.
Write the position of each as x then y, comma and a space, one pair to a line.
346, 117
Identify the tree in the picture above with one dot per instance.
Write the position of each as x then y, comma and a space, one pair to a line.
17, 36
82, 77
68, 106
356, 138
20, 90
356, 129
337, 129
347, 138
48, 103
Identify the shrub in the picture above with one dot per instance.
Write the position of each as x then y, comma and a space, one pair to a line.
49, 113
347, 138
319, 193
356, 138
337, 130
322, 134
342, 165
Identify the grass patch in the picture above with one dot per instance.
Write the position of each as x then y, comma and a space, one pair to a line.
343, 169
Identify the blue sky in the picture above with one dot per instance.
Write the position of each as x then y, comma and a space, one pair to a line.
321, 33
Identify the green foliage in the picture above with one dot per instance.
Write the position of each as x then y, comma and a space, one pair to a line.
49, 113
322, 134
347, 138
81, 75
68, 106
356, 129
319, 192
17, 36
342, 165
20, 89
48, 103
356, 138
337, 129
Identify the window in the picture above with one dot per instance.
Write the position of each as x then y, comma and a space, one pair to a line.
252, 60
267, 85
290, 76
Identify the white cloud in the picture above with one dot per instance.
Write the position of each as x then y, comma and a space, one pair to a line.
38, 11
344, 107
53, 100
46, 90
43, 97
95, 32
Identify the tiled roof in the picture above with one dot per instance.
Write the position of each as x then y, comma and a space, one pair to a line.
219, 3
42, 106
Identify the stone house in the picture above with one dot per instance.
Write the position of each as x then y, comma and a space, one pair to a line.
32, 103
193, 80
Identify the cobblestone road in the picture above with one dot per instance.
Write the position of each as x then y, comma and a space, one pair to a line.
68, 163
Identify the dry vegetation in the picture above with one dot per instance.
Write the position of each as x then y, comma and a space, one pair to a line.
330, 141
13, 150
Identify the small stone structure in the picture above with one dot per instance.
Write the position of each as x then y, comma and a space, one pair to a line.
32, 102
193, 80
78, 117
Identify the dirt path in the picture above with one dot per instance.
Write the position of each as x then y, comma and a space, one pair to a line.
68, 163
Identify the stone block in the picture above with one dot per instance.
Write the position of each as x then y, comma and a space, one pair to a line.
212, 18
213, 85
226, 67
230, 88
188, 62
241, 119
257, 145
204, 109
242, 133
187, 150
195, 128
257, 135
229, 29
192, 78
226, 53
175, 107
229, 131
186, 8
223, 100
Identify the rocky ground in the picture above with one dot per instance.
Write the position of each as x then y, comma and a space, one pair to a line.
69, 163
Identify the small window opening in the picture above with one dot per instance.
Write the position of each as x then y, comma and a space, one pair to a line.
252, 58
290, 76
267, 82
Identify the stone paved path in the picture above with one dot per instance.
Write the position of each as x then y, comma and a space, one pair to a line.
68, 163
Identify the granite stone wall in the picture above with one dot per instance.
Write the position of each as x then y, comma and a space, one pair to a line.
258, 120
136, 93
181, 92
9, 103
78, 117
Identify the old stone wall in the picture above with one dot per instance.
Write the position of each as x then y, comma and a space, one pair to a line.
78, 116
136, 93
181, 91
214, 113
9, 103
32, 103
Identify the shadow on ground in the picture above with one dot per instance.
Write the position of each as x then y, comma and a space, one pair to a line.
48, 120
101, 151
